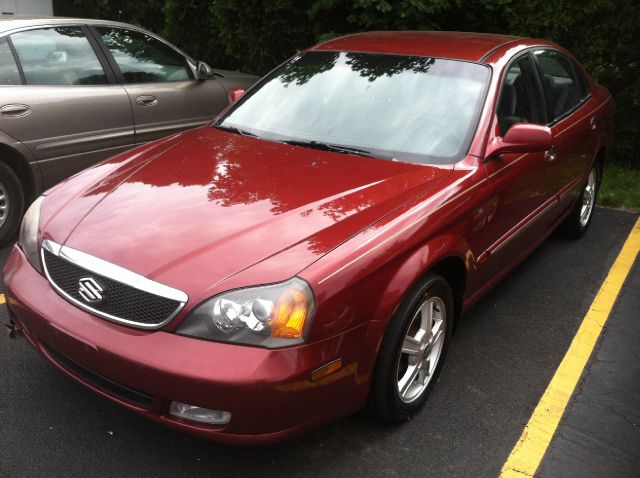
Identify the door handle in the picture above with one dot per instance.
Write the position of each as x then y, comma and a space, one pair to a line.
550, 154
14, 111
594, 122
146, 100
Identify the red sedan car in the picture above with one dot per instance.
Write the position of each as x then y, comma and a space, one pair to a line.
312, 248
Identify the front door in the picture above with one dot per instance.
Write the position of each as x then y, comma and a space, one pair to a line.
523, 186
165, 96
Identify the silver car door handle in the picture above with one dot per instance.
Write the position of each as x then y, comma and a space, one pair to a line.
146, 100
15, 110
594, 122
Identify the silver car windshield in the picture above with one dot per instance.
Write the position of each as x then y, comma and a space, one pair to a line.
407, 108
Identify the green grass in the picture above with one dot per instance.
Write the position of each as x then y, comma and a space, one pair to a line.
620, 187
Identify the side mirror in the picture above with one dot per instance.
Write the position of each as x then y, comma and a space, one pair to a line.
235, 94
521, 138
204, 71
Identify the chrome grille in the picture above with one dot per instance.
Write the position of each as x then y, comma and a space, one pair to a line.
90, 284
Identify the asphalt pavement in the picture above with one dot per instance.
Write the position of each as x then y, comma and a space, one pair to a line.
504, 352
600, 432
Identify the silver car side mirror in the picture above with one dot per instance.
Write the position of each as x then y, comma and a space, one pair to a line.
204, 71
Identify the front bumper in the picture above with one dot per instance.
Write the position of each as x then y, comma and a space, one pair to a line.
268, 392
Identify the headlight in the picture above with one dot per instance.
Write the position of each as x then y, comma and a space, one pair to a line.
269, 316
28, 240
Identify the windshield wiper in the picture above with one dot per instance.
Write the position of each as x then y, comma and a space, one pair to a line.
233, 129
331, 147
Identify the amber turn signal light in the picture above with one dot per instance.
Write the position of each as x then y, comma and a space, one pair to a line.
325, 370
291, 312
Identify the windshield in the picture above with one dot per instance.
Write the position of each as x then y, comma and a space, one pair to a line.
408, 108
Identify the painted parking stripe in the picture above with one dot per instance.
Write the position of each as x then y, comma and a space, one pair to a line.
534, 441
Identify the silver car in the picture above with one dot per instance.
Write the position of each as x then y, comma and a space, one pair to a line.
75, 91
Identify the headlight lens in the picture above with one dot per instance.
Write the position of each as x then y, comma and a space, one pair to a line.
28, 240
271, 316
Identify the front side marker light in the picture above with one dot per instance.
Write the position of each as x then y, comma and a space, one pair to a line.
326, 370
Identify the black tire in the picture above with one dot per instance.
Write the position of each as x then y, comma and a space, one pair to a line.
12, 198
385, 399
574, 226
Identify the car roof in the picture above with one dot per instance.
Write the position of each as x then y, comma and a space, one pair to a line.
456, 45
15, 22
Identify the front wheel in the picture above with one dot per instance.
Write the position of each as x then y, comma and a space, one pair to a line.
579, 220
413, 350
11, 203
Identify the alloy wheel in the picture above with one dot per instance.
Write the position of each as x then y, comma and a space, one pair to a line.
588, 198
4, 204
421, 349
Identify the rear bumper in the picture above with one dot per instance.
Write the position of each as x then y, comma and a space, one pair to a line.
268, 392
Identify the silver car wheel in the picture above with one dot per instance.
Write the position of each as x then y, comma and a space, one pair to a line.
421, 349
4, 204
588, 198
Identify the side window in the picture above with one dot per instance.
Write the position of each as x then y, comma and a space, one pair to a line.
144, 59
520, 98
583, 85
58, 56
9, 73
563, 90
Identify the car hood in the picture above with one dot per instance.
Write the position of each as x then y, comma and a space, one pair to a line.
210, 204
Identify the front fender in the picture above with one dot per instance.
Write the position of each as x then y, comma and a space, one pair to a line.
416, 265
375, 296
406, 275
25, 157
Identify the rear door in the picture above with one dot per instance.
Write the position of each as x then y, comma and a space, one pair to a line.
569, 104
67, 109
165, 96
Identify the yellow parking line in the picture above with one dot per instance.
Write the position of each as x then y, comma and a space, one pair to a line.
1, 298
532, 445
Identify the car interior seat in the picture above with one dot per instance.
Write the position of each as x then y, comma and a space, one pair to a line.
512, 106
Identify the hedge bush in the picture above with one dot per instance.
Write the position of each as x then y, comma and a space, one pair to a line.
256, 35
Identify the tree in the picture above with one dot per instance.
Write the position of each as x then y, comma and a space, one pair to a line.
256, 35
145, 13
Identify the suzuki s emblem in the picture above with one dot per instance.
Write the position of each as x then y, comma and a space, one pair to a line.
90, 290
